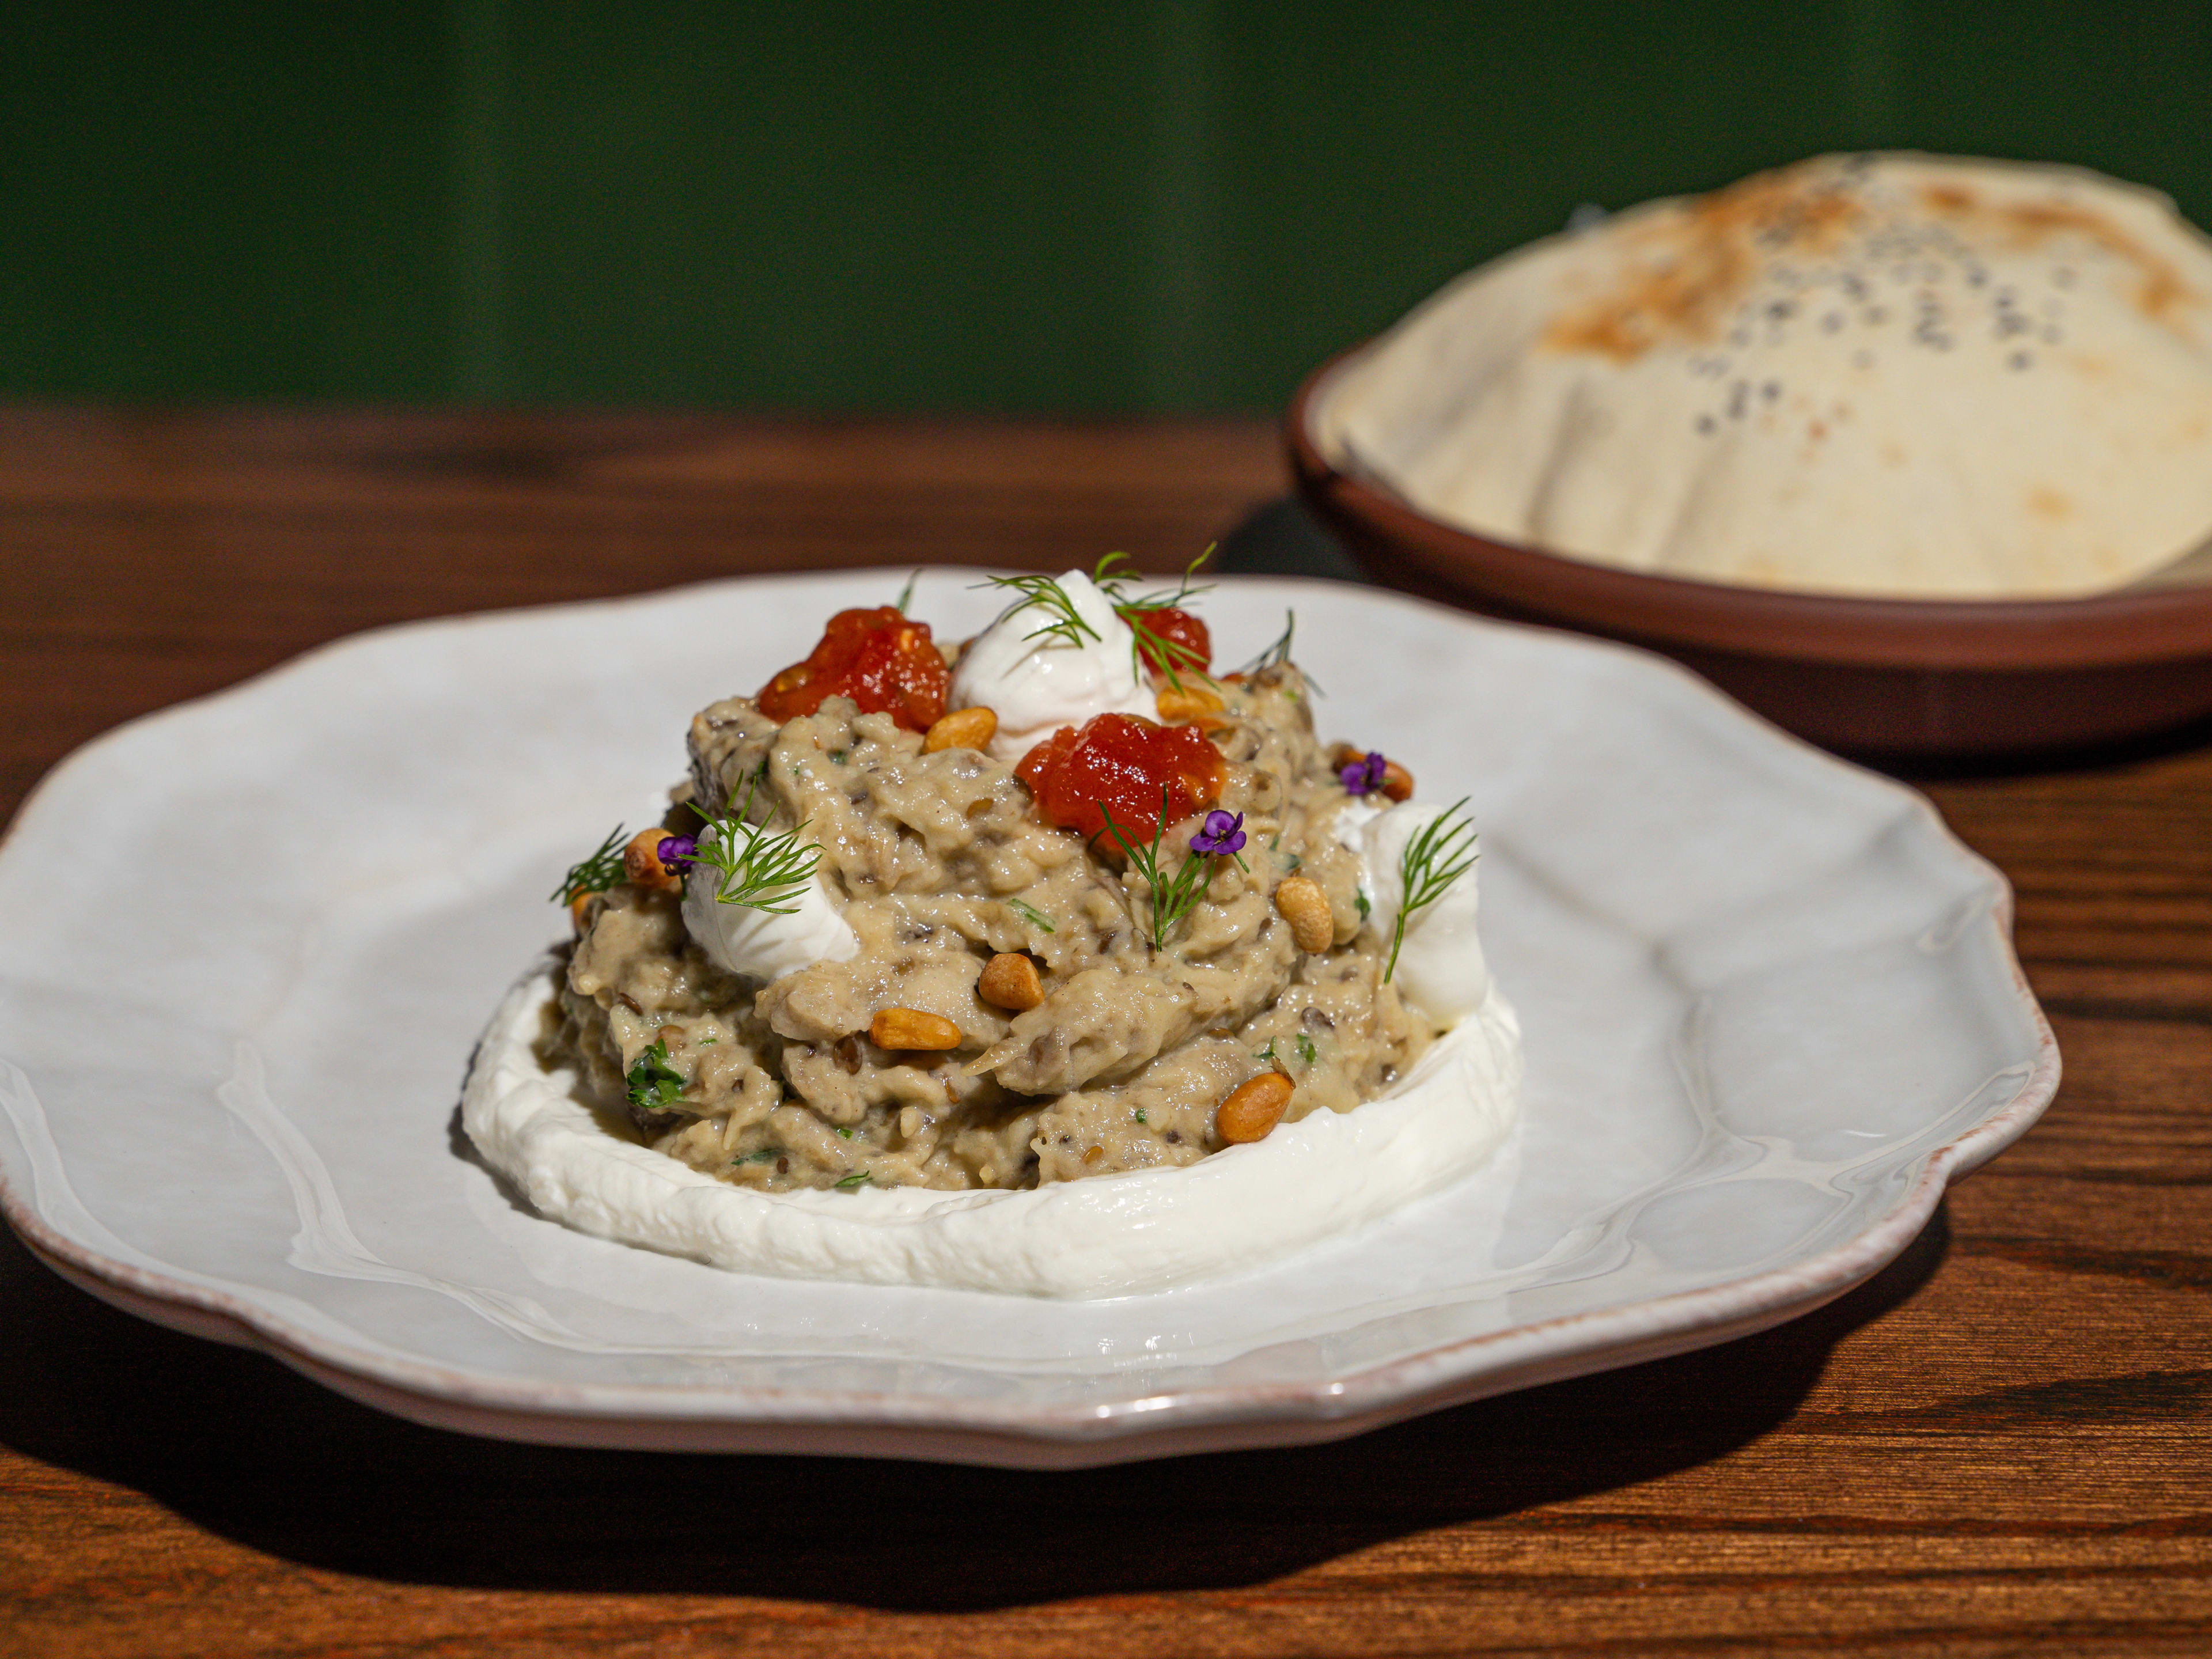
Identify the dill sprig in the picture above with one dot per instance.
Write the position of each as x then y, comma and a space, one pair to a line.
1174, 896
759, 870
594, 874
1174, 656
1278, 652
1062, 621
854, 1183
1433, 859
906, 594
1277, 655
654, 1085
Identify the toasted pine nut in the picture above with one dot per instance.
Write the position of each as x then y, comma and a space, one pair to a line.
1092, 1154
1253, 1108
1010, 980
642, 862
910, 1028
964, 728
1305, 906
1193, 703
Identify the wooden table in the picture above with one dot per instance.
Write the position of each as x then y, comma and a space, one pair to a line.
2003, 1444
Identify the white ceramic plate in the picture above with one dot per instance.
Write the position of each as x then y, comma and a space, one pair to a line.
1771, 1008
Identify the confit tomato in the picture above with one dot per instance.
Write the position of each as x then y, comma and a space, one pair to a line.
878, 658
1189, 648
1125, 765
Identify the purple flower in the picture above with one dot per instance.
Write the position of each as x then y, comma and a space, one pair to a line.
677, 854
1223, 832
1364, 777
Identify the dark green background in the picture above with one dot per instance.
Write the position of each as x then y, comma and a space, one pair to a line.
1178, 205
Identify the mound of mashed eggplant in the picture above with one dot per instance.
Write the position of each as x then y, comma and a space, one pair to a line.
1056, 905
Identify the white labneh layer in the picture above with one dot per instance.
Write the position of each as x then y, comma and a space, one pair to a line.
766, 945
1036, 686
1105, 1235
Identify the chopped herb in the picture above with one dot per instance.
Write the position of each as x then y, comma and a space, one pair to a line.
1298, 862
1306, 1048
1366, 906
837, 757
1433, 859
1031, 915
1141, 1114
906, 594
853, 1182
705, 1042
1266, 1054
654, 1084
759, 870
594, 874
765, 1155
844, 1132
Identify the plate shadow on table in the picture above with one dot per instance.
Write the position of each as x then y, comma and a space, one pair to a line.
237, 1444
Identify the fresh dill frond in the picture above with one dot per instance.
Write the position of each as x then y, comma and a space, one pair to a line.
654, 1084
1266, 1054
1278, 652
1115, 582
1062, 620
1141, 1114
1174, 896
1366, 905
1175, 659
594, 874
853, 1183
906, 594
1031, 915
760, 871
1305, 1045
1174, 656
1433, 859
1277, 655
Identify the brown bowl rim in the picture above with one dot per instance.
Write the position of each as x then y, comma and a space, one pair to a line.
2106, 630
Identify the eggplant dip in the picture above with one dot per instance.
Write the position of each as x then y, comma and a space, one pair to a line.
1053, 963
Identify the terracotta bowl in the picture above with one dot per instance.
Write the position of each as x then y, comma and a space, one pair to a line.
1902, 676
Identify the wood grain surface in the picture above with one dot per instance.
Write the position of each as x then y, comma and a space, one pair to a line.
2002, 1445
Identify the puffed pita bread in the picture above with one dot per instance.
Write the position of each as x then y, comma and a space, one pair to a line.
1894, 374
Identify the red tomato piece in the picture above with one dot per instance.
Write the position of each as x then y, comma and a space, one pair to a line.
1123, 765
1188, 648
878, 658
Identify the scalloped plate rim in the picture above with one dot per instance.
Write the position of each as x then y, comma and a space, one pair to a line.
660, 1416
